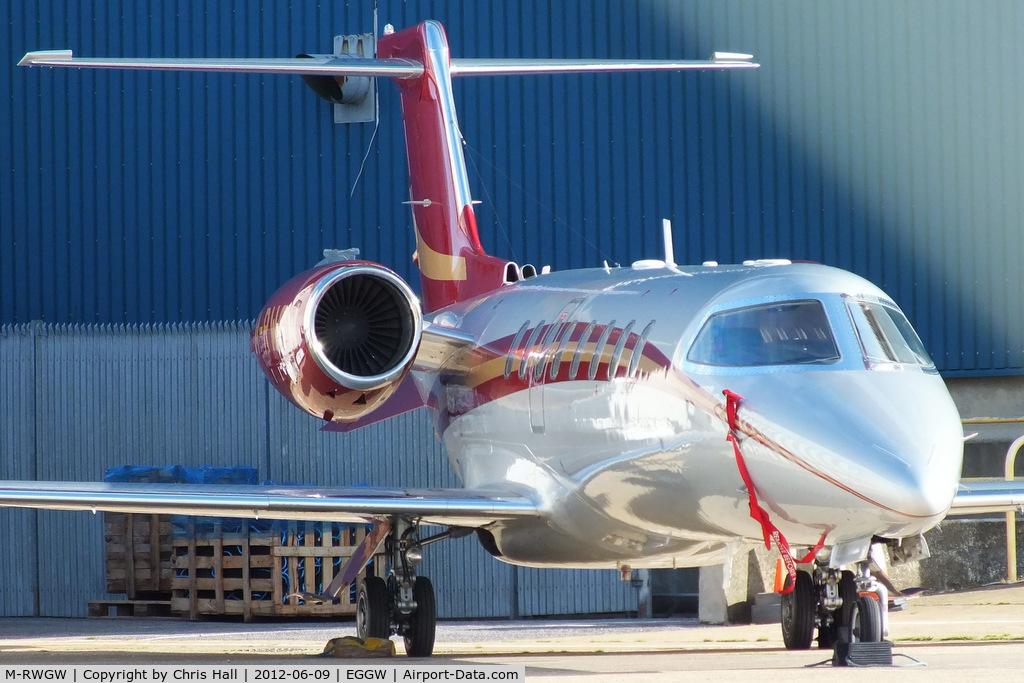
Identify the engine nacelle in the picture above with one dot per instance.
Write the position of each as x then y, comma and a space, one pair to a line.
339, 339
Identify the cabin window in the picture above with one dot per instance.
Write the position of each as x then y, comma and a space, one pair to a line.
556, 362
638, 351
528, 349
595, 359
613, 364
886, 335
543, 353
513, 349
784, 333
581, 347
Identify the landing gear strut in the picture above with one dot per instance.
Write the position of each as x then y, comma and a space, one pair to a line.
402, 603
842, 605
843, 587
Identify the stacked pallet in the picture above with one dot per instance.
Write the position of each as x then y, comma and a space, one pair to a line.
137, 551
138, 554
234, 567
137, 563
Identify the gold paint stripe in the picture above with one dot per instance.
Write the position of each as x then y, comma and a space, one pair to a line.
438, 266
486, 371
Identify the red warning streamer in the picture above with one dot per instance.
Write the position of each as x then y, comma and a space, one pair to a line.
759, 514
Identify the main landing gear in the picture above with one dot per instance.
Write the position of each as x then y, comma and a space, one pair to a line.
402, 603
843, 606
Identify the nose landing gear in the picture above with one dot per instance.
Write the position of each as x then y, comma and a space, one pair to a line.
845, 607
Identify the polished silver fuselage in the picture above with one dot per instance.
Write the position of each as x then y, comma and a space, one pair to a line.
633, 468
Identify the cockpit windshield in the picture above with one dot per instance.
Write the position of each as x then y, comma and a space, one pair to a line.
784, 333
886, 335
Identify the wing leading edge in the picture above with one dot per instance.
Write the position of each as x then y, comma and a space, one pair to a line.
449, 507
986, 496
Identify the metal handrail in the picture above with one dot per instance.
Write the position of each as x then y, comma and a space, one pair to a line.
1011, 516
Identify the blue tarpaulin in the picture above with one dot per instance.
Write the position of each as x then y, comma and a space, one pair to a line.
178, 474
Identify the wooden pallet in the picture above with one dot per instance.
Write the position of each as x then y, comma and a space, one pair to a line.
259, 573
138, 555
129, 608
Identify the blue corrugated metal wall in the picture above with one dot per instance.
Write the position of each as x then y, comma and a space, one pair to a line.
880, 137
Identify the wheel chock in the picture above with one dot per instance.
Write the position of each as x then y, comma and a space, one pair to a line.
862, 654
350, 647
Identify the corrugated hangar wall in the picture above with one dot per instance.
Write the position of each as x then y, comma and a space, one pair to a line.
106, 396
879, 137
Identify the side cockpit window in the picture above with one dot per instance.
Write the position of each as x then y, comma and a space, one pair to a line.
886, 336
784, 333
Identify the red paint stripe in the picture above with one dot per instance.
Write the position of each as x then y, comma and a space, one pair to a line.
499, 387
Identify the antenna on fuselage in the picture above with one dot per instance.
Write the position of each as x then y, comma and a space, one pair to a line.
666, 230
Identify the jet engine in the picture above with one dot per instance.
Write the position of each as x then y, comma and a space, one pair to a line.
339, 339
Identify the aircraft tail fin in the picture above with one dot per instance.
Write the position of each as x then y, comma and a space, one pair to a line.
453, 264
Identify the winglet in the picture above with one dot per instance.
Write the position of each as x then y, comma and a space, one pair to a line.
44, 57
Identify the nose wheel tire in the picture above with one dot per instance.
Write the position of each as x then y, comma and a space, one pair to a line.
798, 607
373, 609
419, 629
866, 621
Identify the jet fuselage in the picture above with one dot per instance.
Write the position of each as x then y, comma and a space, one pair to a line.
598, 393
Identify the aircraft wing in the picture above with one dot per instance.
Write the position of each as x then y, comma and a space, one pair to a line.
985, 496
447, 507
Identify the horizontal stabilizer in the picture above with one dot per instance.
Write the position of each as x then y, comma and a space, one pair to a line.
302, 66
514, 67
455, 507
388, 68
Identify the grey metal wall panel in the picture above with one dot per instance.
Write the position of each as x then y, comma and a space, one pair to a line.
70, 563
18, 566
880, 137
468, 582
573, 591
398, 452
18, 576
152, 395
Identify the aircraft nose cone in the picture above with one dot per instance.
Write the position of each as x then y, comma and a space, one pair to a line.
920, 480
908, 434
887, 446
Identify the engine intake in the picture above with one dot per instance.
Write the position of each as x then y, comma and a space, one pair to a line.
339, 339
365, 326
